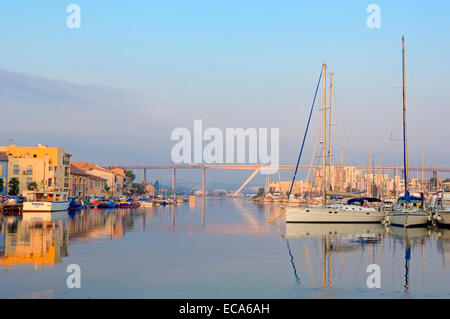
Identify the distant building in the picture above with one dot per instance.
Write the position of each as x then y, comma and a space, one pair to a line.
117, 182
48, 167
84, 184
150, 189
4, 171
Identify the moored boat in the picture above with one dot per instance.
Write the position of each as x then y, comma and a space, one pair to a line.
407, 213
442, 206
45, 201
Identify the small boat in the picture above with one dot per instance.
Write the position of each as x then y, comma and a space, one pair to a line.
75, 203
106, 204
146, 204
88, 204
45, 201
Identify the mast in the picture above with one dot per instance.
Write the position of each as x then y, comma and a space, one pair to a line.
324, 147
421, 182
330, 139
405, 145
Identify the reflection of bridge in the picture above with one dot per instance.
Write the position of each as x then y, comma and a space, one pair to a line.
256, 168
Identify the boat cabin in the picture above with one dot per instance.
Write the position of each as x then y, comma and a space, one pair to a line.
43, 196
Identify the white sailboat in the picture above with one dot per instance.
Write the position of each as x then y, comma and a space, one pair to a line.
330, 213
442, 206
406, 214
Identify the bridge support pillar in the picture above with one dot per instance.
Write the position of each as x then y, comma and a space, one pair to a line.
144, 176
203, 181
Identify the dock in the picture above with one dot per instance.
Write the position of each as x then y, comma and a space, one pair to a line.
11, 210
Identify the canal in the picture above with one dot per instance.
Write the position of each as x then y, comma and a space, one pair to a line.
217, 248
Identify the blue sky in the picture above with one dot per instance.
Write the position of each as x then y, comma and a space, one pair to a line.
230, 63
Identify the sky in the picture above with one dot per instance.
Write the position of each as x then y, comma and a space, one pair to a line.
112, 91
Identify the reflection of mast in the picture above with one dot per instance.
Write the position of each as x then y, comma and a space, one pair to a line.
203, 213
297, 279
307, 261
324, 256
407, 258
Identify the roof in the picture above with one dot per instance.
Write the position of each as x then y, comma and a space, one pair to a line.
88, 166
76, 171
3, 156
96, 178
118, 171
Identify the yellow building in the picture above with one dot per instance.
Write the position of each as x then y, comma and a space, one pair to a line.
48, 167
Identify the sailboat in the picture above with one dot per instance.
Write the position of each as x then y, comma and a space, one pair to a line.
442, 205
329, 213
406, 214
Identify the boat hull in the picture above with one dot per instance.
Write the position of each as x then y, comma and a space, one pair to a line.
443, 217
332, 215
408, 219
30, 207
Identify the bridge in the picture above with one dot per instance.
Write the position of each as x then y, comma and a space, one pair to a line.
256, 168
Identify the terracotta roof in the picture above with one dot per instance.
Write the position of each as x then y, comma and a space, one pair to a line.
118, 171
88, 166
76, 171
96, 178
3, 156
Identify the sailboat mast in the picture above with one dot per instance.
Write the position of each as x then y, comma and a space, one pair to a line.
405, 145
330, 139
324, 147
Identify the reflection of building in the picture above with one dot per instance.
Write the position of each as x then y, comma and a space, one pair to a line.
40, 244
46, 166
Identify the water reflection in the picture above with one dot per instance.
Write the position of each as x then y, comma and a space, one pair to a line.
214, 236
40, 241
343, 250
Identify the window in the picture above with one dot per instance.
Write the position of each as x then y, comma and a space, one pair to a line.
16, 170
29, 170
50, 168
29, 180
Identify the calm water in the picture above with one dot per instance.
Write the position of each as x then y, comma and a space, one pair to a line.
218, 248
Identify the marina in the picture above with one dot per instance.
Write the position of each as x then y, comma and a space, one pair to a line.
225, 248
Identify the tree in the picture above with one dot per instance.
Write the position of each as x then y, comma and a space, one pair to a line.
13, 187
260, 192
1, 185
138, 189
131, 175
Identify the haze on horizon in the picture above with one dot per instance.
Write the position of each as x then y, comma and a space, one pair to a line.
112, 91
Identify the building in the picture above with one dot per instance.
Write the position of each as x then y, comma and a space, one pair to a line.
84, 184
4, 172
117, 182
48, 167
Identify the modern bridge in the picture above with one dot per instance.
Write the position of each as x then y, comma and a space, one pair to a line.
256, 168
